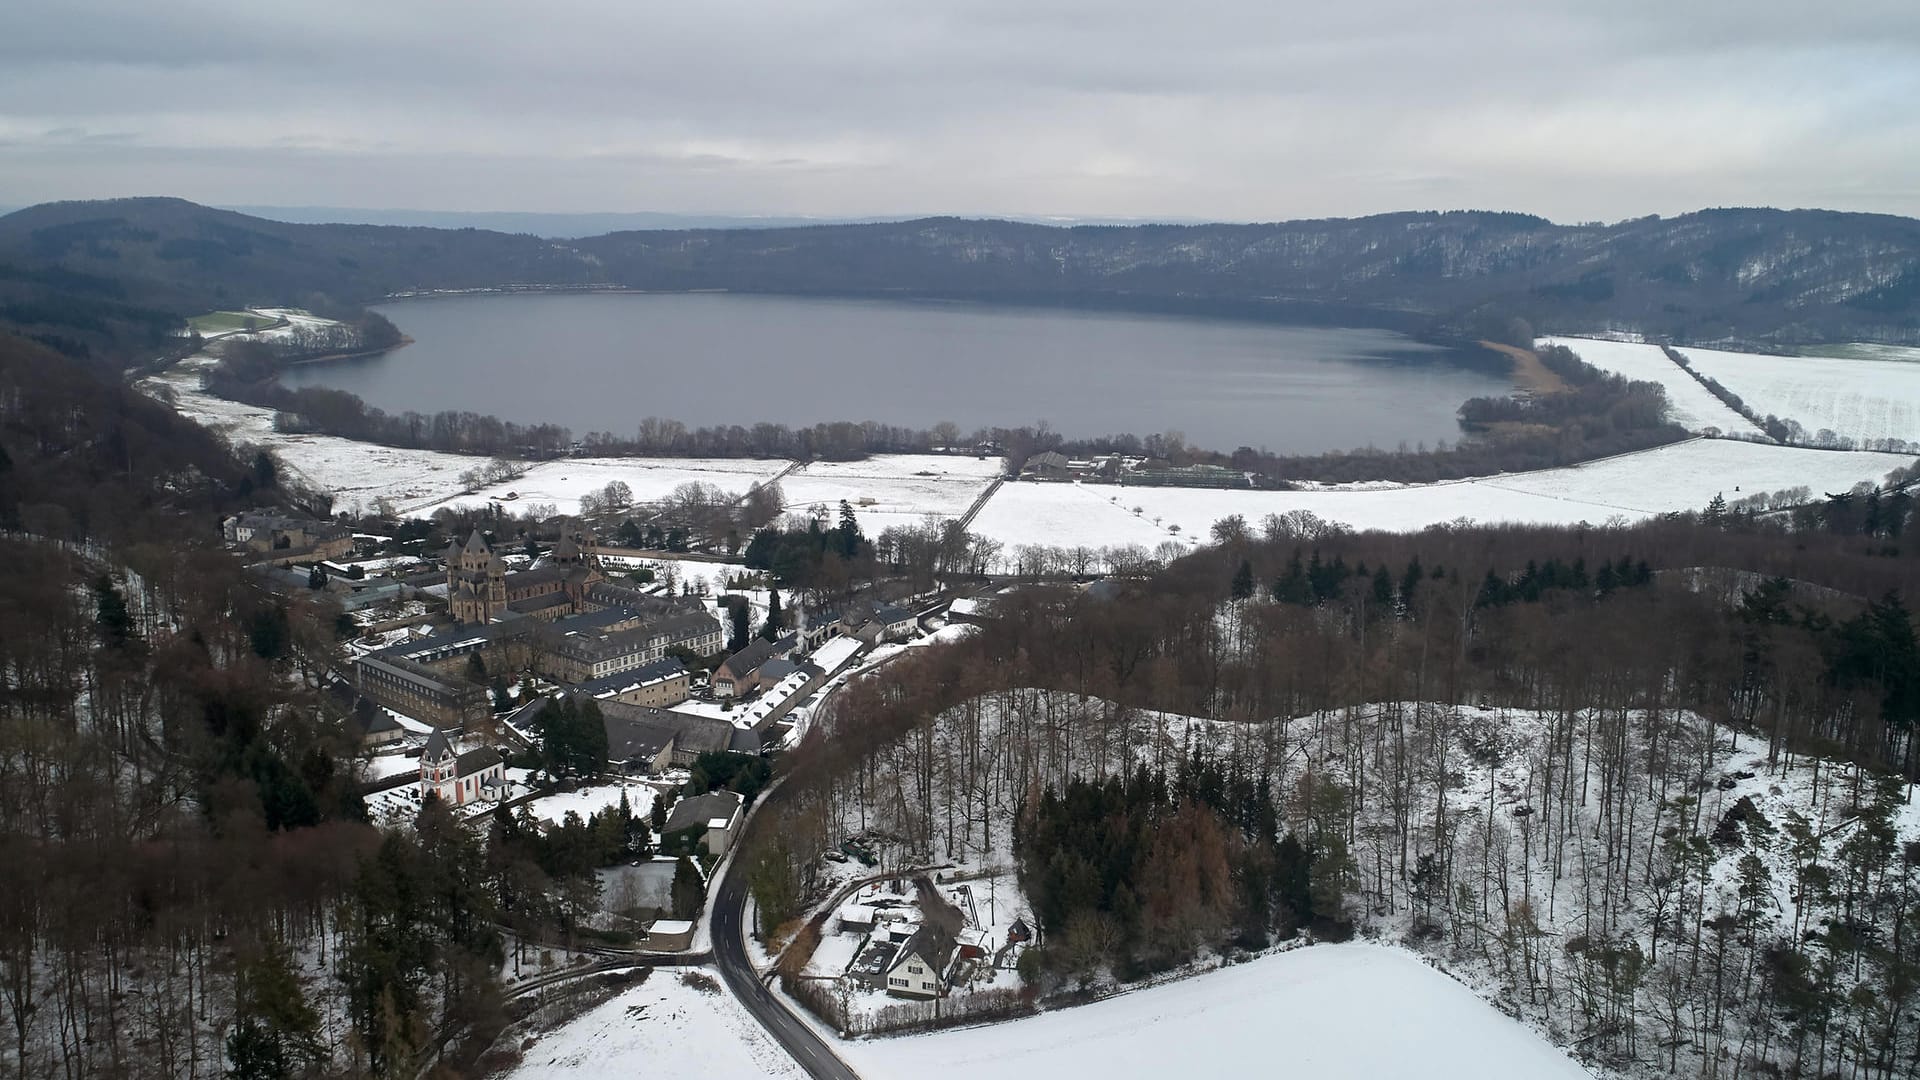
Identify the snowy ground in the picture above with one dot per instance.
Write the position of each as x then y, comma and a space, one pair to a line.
562, 483
1863, 400
663, 1027
419, 482
385, 765
703, 577
1683, 476
891, 489
587, 802
1328, 1012
357, 473
1690, 404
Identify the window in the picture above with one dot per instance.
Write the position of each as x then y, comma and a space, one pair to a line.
896, 982
915, 969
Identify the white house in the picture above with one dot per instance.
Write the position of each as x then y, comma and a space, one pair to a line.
459, 779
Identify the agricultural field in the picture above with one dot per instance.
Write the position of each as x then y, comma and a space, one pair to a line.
562, 484
357, 473
1689, 404
1630, 487
890, 489
1308, 1012
1870, 402
229, 322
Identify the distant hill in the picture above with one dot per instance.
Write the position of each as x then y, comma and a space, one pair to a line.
84, 271
555, 226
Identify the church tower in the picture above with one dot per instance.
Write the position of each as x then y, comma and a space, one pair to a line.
476, 581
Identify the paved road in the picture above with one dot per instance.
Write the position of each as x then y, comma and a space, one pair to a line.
730, 954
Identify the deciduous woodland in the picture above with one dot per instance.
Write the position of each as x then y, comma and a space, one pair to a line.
1648, 788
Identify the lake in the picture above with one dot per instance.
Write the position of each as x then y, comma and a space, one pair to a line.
604, 361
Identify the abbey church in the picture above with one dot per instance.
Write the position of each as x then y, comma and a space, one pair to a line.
480, 589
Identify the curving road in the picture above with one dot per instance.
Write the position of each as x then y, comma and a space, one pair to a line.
730, 955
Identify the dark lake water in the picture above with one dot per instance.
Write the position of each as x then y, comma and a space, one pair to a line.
602, 362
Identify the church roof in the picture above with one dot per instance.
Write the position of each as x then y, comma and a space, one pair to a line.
566, 548
437, 746
477, 544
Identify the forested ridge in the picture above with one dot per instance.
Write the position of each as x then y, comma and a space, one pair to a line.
80, 274
1649, 787
192, 885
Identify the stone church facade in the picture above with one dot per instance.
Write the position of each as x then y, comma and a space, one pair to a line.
480, 589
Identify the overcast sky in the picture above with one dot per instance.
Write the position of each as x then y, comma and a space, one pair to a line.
1232, 110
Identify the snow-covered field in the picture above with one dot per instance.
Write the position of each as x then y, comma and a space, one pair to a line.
1862, 400
1690, 405
562, 483
663, 1027
356, 473
1683, 476
1328, 1012
891, 489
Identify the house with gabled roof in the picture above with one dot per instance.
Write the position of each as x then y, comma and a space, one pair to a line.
918, 969
713, 817
460, 778
739, 675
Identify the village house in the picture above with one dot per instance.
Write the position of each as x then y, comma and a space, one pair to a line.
888, 623
918, 968
1050, 465
668, 935
286, 540
460, 778
738, 675
659, 685
375, 725
713, 819
642, 739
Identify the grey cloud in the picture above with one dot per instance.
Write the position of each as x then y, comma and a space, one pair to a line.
1242, 109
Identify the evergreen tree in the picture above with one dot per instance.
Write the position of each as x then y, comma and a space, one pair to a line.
739, 620
776, 620
1243, 581
849, 539
1382, 587
1292, 586
1410, 581
110, 613
276, 1032
688, 892
316, 578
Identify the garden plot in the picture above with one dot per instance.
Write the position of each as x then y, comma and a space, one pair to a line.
1870, 402
1689, 404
